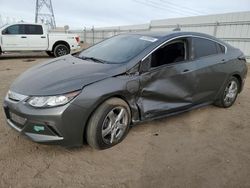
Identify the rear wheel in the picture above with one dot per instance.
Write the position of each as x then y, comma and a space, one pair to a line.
109, 124
229, 94
61, 50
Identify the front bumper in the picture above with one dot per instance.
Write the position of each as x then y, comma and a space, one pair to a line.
62, 125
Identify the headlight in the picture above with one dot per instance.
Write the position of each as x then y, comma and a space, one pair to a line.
52, 101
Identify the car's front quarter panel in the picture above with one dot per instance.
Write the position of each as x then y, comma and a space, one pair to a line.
123, 86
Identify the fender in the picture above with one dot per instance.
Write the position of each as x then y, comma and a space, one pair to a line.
95, 94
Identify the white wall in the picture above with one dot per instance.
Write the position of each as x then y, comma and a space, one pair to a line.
234, 28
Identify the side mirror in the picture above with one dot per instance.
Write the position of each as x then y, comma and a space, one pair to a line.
145, 64
4, 31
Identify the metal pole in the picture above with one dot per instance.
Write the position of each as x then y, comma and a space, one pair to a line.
84, 35
53, 16
93, 32
216, 28
36, 15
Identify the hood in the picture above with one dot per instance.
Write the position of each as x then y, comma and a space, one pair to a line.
63, 75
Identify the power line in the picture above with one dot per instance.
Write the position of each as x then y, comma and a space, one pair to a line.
174, 8
182, 7
150, 4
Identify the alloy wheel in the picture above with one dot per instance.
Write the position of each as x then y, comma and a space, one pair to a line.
61, 51
115, 125
231, 92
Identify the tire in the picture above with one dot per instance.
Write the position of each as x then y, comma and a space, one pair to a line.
228, 97
51, 54
104, 123
61, 50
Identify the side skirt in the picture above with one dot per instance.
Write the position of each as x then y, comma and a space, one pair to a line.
173, 113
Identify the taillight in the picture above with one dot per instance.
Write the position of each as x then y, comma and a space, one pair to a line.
77, 39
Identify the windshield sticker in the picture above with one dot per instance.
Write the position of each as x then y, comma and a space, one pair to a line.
150, 39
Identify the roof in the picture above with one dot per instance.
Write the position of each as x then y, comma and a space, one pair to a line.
165, 35
162, 34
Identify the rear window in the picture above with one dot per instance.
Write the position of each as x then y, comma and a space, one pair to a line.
205, 47
220, 48
33, 29
119, 49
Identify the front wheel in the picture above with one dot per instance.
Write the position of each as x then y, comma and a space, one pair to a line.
229, 94
61, 50
109, 124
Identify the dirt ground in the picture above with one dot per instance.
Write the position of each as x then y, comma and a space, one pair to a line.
207, 147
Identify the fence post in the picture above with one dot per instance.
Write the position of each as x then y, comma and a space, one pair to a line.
84, 35
1, 21
149, 27
93, 34
216, 28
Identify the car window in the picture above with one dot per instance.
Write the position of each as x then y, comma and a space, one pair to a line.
14, 30
171, 53
204, 47
119, 49
33, 29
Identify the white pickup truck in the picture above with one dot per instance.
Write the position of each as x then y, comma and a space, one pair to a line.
35, 37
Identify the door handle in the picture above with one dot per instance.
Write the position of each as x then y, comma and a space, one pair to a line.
223, 61
23, 37
186, 70
43, 37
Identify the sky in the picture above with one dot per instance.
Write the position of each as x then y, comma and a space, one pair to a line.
102, 13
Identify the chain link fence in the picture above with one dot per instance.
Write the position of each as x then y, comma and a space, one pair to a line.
233, 28
7, 20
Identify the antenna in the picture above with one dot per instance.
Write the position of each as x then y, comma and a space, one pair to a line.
48, 17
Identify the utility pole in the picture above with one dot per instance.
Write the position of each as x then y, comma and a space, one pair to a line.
48, 17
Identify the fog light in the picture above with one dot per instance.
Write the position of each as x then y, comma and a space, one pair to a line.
38, 128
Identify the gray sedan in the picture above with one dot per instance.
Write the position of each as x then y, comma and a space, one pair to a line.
96, 95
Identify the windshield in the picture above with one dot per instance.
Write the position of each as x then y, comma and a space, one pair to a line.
118, 49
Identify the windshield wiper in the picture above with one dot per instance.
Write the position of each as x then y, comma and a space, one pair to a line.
93, 59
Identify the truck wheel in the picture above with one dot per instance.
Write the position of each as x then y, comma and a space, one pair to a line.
61, 50
109, 124
51, 54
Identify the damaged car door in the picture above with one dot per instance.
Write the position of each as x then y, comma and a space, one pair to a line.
169, 82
